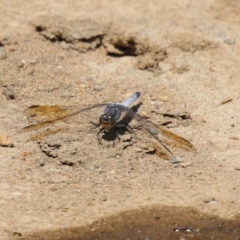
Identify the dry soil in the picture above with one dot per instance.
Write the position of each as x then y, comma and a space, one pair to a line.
183, 56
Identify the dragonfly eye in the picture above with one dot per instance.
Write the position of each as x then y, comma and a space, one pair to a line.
106, 118
107, 121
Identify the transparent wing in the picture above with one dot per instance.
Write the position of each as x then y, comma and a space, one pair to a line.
55, 114
160, 133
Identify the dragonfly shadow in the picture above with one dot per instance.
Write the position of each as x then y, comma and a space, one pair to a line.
121, 127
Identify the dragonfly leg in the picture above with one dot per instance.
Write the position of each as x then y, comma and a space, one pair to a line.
117, 137
96, 125
130, 130
99, 139
126, 127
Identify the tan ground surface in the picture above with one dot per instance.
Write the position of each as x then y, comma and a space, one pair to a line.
182, 56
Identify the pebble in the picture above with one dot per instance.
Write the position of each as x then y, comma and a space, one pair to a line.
209, 200
164, 98
174, 160
142, 146
98, 88
186, 164
3, 54
165, 67
89, 78
229, 41
20, 64
59, 68
137, 149
33, 62
76, 36
86, 78
64, 45
234, 137
30, 71
9, 94
39, 163
126, 138
145, 115
5, 141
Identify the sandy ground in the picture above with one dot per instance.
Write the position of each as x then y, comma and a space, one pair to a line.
183, 56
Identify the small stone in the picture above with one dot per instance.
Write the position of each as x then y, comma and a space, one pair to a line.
76, 36
59, 68
33, 62
3, 54
12, 48
126, 138
165, 67
209, 200
98, 88
110, 49
20, 64
5, 141
142, 146
174, 160
145, 115
89, 78
9, 94
64, 45
137, 149
186, 164
39, 163
30, 72
234, 137
86, 78
153, 98
229, 41
164, 98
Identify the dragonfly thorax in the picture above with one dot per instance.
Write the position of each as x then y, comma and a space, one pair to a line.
107, 121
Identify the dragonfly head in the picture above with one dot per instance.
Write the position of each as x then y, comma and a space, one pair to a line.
107, 121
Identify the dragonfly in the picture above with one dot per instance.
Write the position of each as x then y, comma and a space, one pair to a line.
110, 119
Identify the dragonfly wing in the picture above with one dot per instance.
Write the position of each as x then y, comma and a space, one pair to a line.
163, 152
162, 134
57, 118
49, 131
175, 140
54, 111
